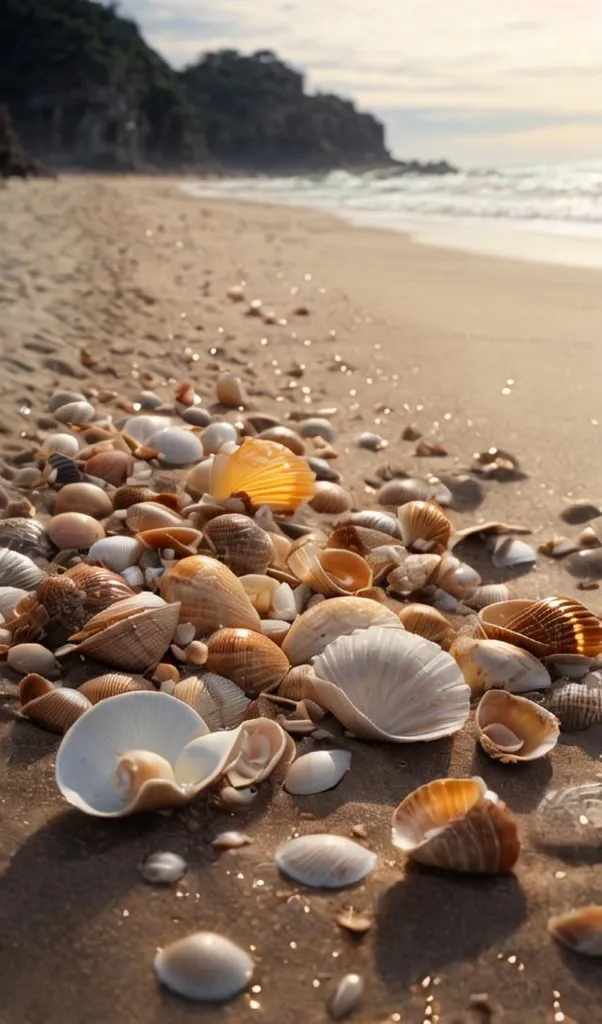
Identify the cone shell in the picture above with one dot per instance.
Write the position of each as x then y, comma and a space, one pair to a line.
330, 499
111, 684
424, 526
135, 643
204, 967
329, 571
324, 622
512, 729
427, 622
577, 705
209, 593
250, 659
555, 625
240, 543
57, 709
386, 684
458, 825
220, 702
579, 930
496, 664
263, 473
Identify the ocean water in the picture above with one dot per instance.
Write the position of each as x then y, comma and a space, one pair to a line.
550, 212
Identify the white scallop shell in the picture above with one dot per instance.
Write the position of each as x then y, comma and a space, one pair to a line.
386, 684
216, 435
178, 447
323, 622
204, 967
325, 861
317, 771
117, 553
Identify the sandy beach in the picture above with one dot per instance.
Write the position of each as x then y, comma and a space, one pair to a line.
477, 352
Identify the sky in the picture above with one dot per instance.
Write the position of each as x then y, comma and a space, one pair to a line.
476, 81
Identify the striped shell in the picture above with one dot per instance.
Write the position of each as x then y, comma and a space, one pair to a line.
424, 526
18, 570
210, 595
135, 643
111, 684
57, 709
219, 701
239, 543
263, 473
577, 705
427, 622
250, 659
554, 625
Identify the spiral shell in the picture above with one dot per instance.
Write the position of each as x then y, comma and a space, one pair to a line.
512, 729
263, 473
210, 594
459, 825
250, 659
554, 625
240, 543
330, 571
579, 930
424, 526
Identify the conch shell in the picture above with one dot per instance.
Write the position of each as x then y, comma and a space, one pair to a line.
210, 595
263, 473
555, 625
459, 825
512, 729
331, 571
311, 632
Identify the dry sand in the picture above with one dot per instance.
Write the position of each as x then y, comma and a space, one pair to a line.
477, 352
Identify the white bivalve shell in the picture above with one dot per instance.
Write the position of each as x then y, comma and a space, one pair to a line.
495, 664
177, 447
204, 967
325, 861
324, 622
387, 684
317, 771
512, 729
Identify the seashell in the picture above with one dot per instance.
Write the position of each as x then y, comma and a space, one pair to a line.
230, 391
231, 841
18, 570
386, 684
554, 625
317, 771
33, 685
331, 571
57, 709
577, 705
281, 547
204, 967
86, 498
163, 868
571, 816
60, 470
346, 996
495, 664
357, 923
491, 528
25, 658
579, 512
330, 499
512, 729
236, 800
182, 540
558, 547
240, 543
424, 526
509, 551
489, 593
359, 539
297, 683
248, 658
236, 293
117, 611
579, 930
74, 530
323, 470
9, 599
210, 595
317, 426
217, 435
495, 462
317, 627
372, 442
246, 755
589, 538
133, 495
459, 825
263, 473
176, 446
275, 629
456, 577
427, 622
150, 515
111, 684
571, 666
27, 536
373, 519
414, 572
135, 643
220, 702
399, 492
117, 553
75, 412
325, 861
198, 479
195, 416
284, 435
113, 467
585, 564
62, 444
142, 428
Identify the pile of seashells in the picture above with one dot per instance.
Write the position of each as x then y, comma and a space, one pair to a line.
186, 597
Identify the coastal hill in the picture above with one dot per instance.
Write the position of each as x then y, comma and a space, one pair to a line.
85, 90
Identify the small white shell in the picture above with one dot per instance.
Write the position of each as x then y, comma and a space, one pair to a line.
231, 841
24, 658
317, 771
117, 553
163, 868
177, 447
75, 412
509, 551
325, 861
62, 444
205, 967
9, 597
216, 435
141, 428
347, 995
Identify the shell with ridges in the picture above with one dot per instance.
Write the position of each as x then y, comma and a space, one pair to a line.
240, 543
204, 967
325, 861
374, 519
57, 709
578, 706
219, 701
330, 571
496, 664
25, 535
111, 684
427, 622
250, 659
18, 570
488, 593
265, 473
210, 595
424, 526
459, 825
135, 643
324, 622
512, 729
116, 553
554, 625
579, 930
352, 537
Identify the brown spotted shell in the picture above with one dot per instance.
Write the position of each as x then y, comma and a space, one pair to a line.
240, 543
423, 526
250, 659
554, 625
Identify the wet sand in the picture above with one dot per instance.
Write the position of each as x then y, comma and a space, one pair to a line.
478, 352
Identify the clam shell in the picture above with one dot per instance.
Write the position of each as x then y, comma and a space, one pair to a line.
17, 570
414, 572
554, 625
427, 622
112, 466
325, 861
24, 658
317, 771
330, 571
33, 685
216, 435
135, 643
219, 701
512, 729
424, 526
317, 426
386, 684
400, 492
374, 519
284, 435
25, 535
142, 428
74, 412
74, 530
275, 629
62, 444
248, 658
150, 515
346, 996
60, 398
176, 446
111, 684
117, 611
101, 586
577, 705
246, 755
163, 868
297, 683
210, 595
117, 553
230, 391
86, 498
57, 709
579, 930
204, 967
330, 499
459, 825
240, 543
60, 470
317, 627
489, 593
509, 551
264, 473
496, 664
323, 469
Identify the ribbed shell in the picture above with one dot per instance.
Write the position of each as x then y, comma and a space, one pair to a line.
250, 659
240, 543
101, 586
427, 622
554, 625
512, 729
423, 526
311, 632
459, 825
386, 684
136, 643
111, 684
329, 571
18, 570
27, 536
325, 861
150, 515
579, 930
400, 492
317, 771
57, 709
489, 593
116, 553
497, 664
210, 595
263, 473
374, 519
577, 705
219, 701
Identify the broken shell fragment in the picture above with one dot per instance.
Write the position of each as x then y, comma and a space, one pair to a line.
423, 526
163, 868
325, 861
459, 825
579, 930
512, 729
312, 631
317, 771
204, 967
263, 473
